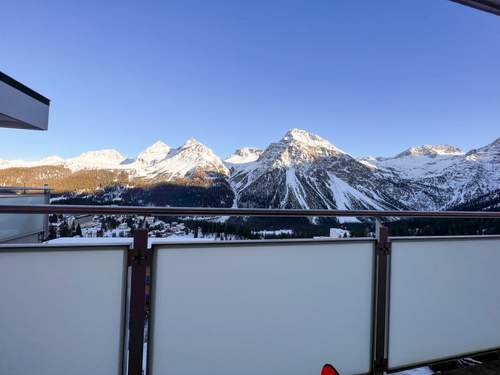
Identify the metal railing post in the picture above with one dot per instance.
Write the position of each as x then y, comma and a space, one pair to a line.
381, 300
138, 260
46, 198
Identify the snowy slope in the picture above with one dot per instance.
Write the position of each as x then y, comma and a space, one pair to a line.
243, 155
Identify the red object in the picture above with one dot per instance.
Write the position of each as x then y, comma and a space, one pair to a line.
329, 370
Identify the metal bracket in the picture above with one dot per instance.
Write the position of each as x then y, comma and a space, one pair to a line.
383, 247
137, 257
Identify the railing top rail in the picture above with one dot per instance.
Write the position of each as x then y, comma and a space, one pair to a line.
256, 212
25, 188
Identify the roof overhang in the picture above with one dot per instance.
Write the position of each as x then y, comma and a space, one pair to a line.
21, 107
492, 6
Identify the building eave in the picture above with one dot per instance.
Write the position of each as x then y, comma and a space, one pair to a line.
491, 6
22, 107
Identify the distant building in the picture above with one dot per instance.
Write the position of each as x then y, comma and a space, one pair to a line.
491, 6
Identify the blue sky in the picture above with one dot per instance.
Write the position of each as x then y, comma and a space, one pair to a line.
373, 77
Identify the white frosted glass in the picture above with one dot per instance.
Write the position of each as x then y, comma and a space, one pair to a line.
15, 225
444, 299
61, 311
265, 309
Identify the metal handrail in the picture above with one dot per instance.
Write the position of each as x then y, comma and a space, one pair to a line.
25, 188
257, 212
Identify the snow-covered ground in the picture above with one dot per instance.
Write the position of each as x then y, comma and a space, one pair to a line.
90, 241
277, 232
243, 155
336, 233
339, 233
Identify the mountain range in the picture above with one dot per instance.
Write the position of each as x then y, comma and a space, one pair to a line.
301, 170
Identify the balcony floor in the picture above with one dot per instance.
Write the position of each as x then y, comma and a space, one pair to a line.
490, 368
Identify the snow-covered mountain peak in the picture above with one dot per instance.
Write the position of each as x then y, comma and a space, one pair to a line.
305, 138
192, 142
418, 162
299, 147
304, 170
154, 153
244, 155
191, 158
431, 151
158, 146
48, 161
100, 159
108, 154
195, 150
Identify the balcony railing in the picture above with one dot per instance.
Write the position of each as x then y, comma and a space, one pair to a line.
23, 228
367, 305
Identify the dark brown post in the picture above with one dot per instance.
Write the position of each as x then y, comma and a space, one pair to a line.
46, 199
381, 292
138, 261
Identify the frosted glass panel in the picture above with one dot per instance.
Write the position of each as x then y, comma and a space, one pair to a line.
61, 311
264, 309
15, 225
444, 299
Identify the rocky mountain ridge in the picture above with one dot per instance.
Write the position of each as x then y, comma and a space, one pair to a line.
301, 170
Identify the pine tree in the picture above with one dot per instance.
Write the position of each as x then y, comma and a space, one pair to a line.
52, 232
64, 230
